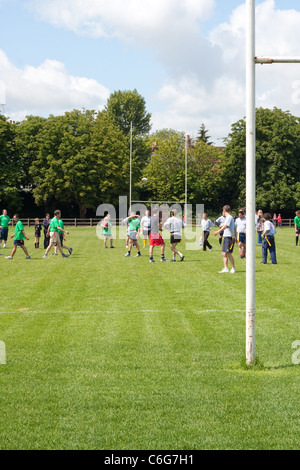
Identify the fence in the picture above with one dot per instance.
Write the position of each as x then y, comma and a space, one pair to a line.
93, 222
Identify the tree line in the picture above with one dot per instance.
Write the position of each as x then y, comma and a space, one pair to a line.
81, 159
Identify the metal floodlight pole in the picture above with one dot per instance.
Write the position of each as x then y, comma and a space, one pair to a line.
130, 171
251, 61
250, 183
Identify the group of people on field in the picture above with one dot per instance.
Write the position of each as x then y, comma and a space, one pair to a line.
54, 231
231, 231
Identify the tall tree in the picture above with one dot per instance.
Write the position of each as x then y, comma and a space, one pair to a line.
277, 160
202, 135
124, 107
10, 167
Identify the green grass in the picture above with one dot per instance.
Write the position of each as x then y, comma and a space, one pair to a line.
105, 352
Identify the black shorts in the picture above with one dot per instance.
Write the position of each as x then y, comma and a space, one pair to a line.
175, 239
19, 242
228, 245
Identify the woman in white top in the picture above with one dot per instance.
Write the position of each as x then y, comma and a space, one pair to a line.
240, 225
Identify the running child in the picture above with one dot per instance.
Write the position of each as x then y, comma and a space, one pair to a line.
174, 225
268, 240
19, 238
5, 221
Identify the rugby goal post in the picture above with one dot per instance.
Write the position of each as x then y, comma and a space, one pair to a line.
251, 61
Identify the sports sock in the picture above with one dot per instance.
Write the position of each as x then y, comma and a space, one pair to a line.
145, 242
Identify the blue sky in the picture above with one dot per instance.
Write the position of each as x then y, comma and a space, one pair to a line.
186, 57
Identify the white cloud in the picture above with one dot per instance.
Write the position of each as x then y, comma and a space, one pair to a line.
206, 76
47, 89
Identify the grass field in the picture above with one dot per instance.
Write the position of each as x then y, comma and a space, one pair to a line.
105, 352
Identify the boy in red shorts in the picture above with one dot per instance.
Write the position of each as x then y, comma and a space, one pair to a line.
155, 237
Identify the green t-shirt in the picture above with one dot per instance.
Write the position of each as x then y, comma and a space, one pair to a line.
106, 227
134, 224
4, 219
19, 235
297, 221
61, 225
54, 224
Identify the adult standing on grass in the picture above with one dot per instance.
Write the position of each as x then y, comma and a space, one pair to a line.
268, 240
5, 221
46, 223
174, 225
228, 230
54, 229
297, 226
19, 238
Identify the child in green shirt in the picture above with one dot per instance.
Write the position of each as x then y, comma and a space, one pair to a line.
106, 230
19, 238
4, 222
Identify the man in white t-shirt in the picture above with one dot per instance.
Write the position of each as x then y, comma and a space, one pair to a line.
175, 225
228, 230
240, 225
268, 240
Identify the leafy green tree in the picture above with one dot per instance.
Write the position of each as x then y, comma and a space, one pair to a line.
81, 159
277, 160
10, 167
124, 107
166, 170
202, 135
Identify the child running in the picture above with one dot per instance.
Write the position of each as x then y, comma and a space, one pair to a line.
19, 238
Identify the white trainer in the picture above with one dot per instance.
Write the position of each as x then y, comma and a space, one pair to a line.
233, 271
225, 270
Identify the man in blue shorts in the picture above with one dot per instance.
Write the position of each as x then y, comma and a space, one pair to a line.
228, 230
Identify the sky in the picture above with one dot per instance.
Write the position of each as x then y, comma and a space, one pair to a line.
185, 57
